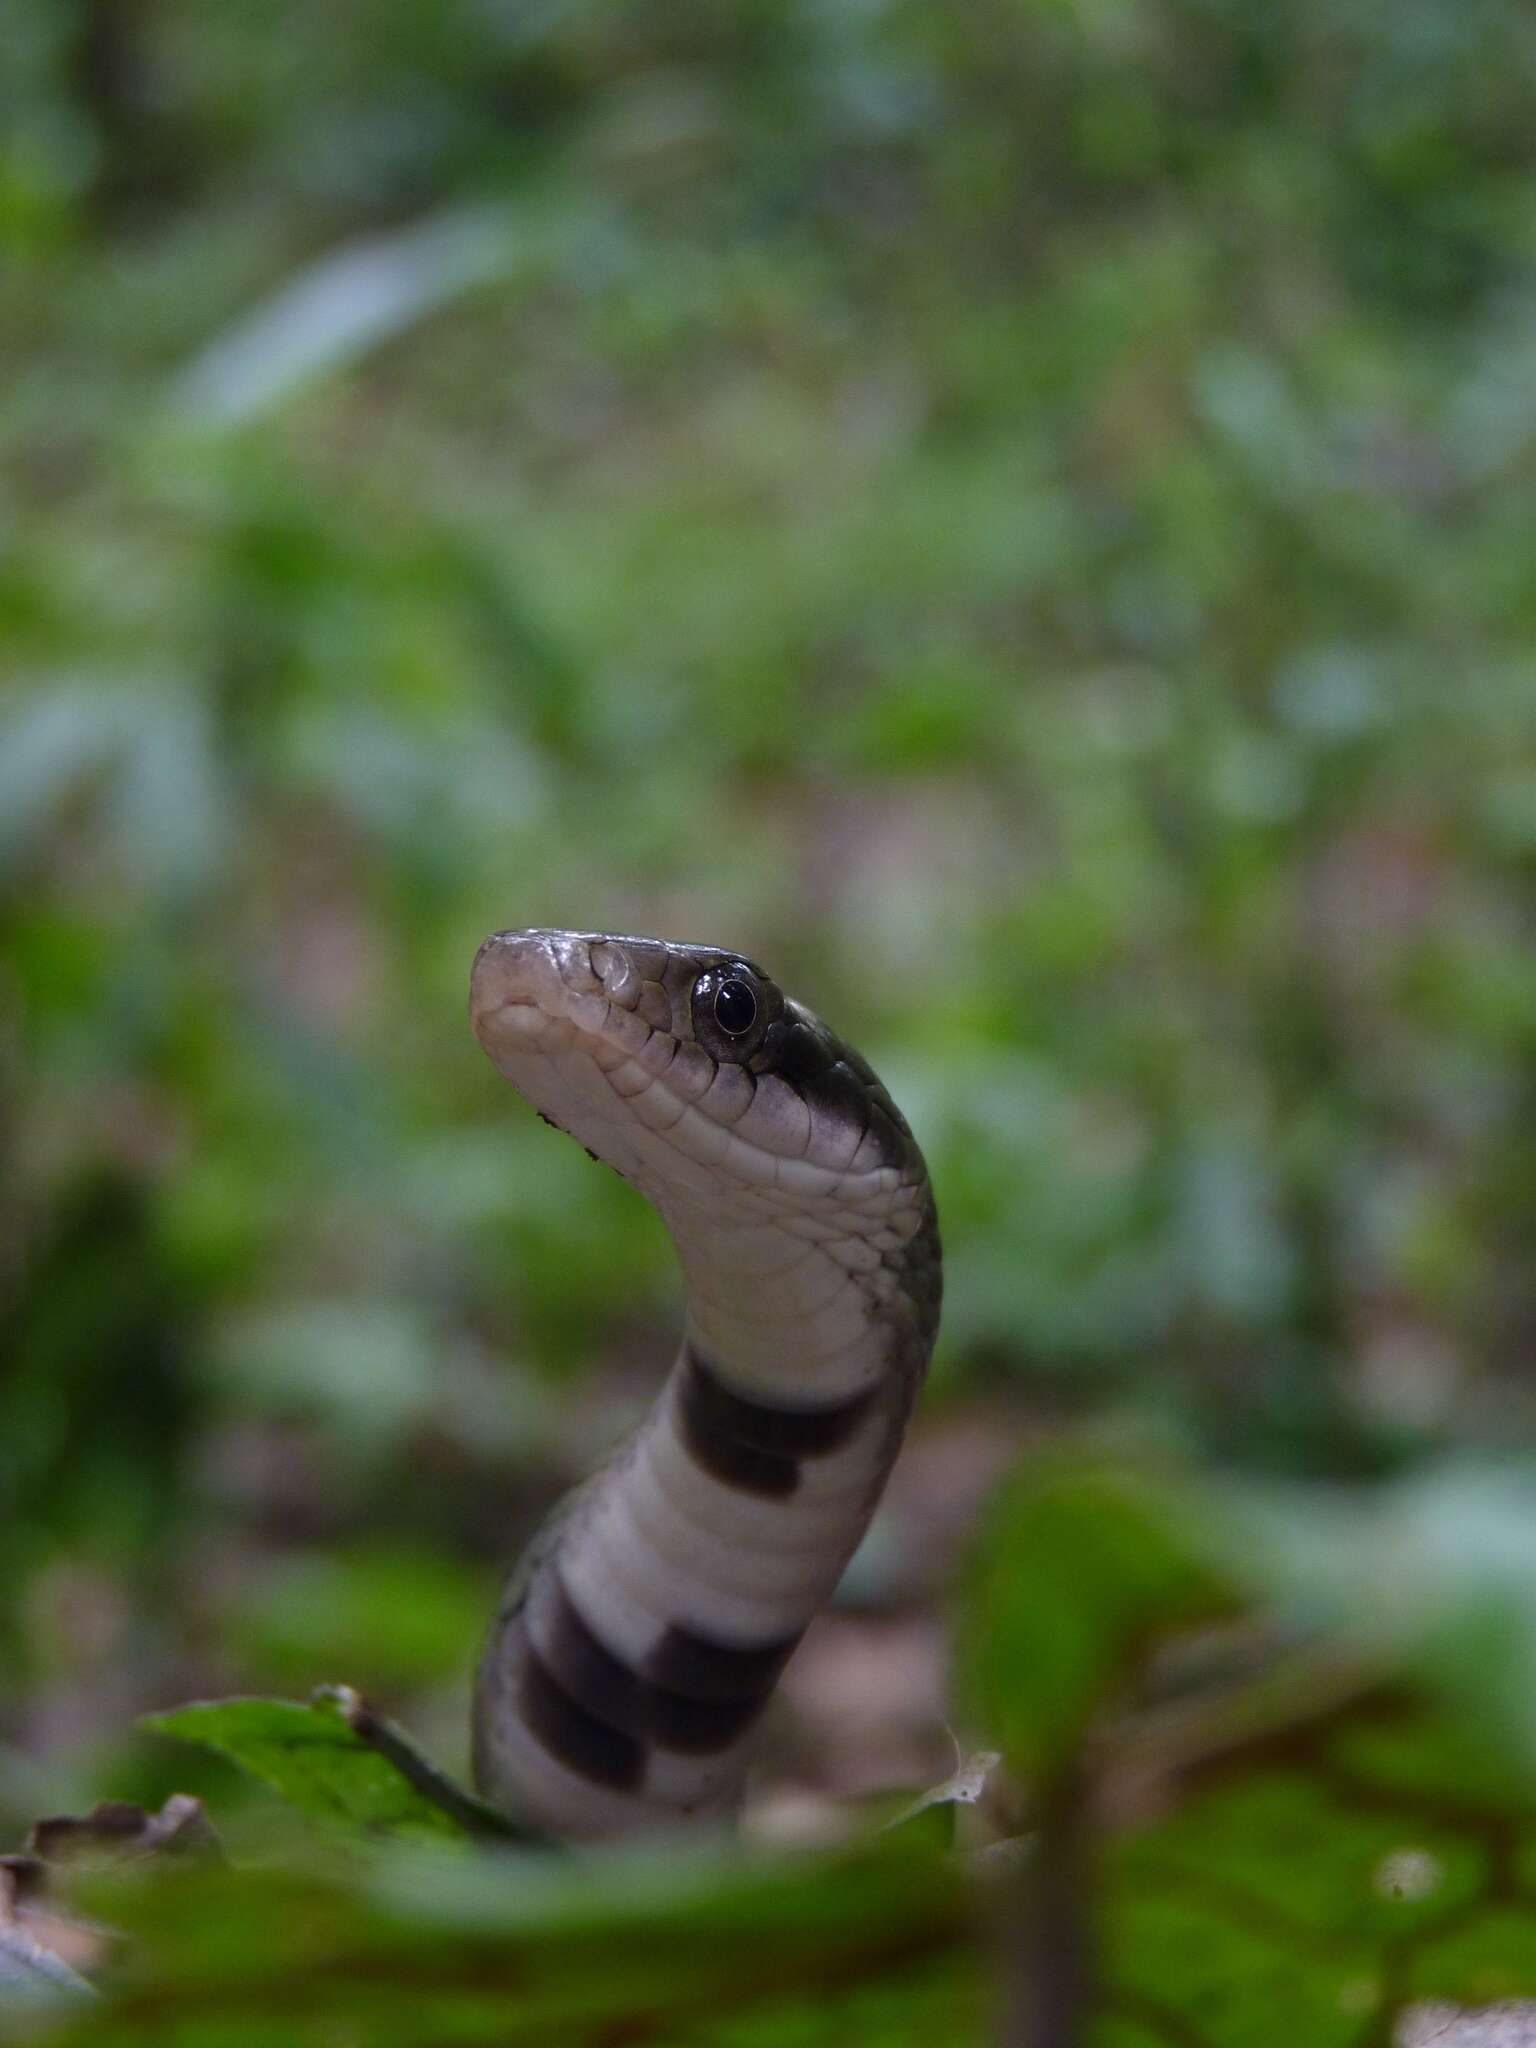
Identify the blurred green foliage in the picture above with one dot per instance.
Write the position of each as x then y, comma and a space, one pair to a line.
1300, 1852
1078, 1570
667, 1948
1019, 518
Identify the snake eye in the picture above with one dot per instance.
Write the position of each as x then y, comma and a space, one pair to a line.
735, 1007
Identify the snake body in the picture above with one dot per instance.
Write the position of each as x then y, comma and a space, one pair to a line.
645, 1628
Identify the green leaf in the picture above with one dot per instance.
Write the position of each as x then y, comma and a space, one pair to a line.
650, 1944
1079, 1572
1312, 1889
1311, 1897
309, 1756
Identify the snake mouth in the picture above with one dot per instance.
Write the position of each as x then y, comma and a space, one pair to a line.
539, 991
520, 997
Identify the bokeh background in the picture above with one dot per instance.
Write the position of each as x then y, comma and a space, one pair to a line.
1019, 516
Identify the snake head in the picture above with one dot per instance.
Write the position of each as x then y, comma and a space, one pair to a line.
687, 1069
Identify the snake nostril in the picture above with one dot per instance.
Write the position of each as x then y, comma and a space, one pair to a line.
618, 974
569, 956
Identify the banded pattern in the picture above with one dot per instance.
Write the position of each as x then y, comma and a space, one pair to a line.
749, 1445
649, 1622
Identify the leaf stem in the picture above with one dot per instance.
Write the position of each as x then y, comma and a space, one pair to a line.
475, 1816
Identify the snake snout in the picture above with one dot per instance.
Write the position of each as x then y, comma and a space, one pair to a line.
521, 985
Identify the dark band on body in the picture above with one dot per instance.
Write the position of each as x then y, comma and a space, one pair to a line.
693, 1665
574, 1737
749, 1445
693, 1697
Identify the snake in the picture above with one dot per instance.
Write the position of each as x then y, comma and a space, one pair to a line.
639, 1638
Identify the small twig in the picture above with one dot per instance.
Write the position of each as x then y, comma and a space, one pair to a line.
475, 1816
1176, 1743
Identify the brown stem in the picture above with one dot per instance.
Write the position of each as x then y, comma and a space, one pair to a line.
1048, 1934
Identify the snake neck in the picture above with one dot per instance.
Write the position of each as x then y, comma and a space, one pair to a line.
797, 1309
636, 1650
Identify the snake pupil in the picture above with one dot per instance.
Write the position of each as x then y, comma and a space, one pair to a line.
735, 1007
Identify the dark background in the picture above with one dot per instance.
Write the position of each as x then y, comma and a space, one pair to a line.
1018, 517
